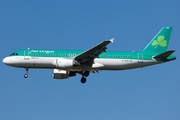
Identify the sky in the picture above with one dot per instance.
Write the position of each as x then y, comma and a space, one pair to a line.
149, 93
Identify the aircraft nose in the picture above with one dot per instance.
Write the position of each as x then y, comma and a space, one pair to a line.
6, 60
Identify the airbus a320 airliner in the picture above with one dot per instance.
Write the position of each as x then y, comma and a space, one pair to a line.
67, 63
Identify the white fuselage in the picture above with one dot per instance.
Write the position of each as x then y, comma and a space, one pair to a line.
99, 63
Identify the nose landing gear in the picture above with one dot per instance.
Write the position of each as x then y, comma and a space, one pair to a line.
26, 75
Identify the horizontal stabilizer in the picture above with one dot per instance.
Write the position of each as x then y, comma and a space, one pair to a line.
165, 54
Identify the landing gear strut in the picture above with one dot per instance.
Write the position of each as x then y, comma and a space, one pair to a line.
86, 74
26, 75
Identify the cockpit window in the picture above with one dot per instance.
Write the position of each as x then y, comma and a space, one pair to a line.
14, 54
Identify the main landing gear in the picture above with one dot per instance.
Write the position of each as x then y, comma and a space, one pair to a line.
86, 74
83, 79
26, 75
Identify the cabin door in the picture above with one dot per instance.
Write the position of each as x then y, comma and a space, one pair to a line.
140, 57
26, 54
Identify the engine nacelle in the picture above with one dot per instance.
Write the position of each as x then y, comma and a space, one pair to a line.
62, 74
65, 63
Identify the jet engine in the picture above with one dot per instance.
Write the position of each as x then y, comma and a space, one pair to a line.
65, 63
62, 74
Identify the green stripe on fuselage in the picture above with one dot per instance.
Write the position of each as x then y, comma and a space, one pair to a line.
72, 53
106, 55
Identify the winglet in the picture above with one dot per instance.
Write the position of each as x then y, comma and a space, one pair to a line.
112, 40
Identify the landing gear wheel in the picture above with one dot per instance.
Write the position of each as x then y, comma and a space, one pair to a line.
83, 80
26, 75
86, 73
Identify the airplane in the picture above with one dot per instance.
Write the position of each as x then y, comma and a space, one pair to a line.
68, 63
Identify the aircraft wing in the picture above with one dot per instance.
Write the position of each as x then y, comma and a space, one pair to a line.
94, 52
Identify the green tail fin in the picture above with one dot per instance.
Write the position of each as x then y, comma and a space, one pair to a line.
160, 42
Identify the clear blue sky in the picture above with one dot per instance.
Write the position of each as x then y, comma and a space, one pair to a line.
150, 93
